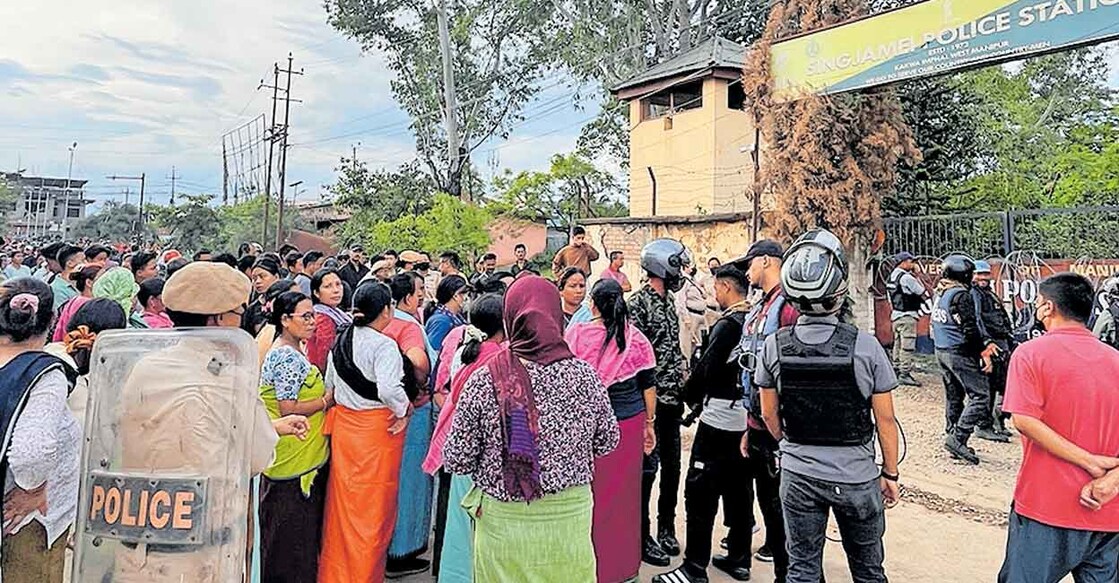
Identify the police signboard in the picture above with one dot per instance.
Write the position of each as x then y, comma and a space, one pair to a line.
935, 37
139, 509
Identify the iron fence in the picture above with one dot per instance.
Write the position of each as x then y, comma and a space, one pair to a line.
1047, 233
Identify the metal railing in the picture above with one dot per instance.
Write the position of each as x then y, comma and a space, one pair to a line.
1048, 233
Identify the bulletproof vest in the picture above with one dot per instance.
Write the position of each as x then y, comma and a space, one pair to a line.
821, 403
750, 348
900, 300
947, 334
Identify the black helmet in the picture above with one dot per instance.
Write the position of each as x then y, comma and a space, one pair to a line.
814, 273
666, 258
958, 268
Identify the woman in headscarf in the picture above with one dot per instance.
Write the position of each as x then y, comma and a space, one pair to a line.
265, 272
41, 447
119, 284
327, 292
479, 341
293, 489
625, 363
366, 427
572, 284
532, 455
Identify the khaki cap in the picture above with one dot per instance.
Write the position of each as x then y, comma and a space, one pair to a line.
203, 287
411, 257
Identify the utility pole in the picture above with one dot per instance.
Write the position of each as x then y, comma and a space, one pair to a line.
66, 197
173, 178
284, 150
143, 179
271, 140
225, 177
450, 110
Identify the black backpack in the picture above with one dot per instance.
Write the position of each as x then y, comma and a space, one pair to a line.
343, 353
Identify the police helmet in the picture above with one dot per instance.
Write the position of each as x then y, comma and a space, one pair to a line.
814, 273
958, 268
666, 258
982, 267
1110, 288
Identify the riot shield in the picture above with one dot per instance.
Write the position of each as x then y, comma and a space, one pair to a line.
166, 460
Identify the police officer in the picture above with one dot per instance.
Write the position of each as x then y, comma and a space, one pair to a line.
964, 353
907, 293
826, 392
715, 389
178, 424
654, 314
996, 325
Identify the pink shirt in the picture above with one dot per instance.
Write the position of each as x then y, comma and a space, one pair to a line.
160, 320
1070, 381
617, 276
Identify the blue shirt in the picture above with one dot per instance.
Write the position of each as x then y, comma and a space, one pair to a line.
441, 323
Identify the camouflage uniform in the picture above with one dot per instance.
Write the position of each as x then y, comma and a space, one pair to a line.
655, 316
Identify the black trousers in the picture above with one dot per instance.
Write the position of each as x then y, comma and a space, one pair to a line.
666, 456
715, 472
764, 472
963, 381
442, 499
997, 382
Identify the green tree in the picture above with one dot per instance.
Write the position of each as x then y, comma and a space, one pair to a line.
191, 225
572, 189
8, 199
498, 56
449, 225
379, 195
113, 222
241, 223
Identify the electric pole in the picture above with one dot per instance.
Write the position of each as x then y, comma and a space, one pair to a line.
225, 177
284, 150
66, 198
450, 110
142, 178
173, 178
271, 137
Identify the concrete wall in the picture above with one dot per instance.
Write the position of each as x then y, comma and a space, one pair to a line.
696, 157
722, 236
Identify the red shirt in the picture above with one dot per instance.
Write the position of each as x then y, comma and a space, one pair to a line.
1070, 381
408, 335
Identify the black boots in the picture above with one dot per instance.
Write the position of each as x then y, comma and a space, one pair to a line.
737, 567
667, 538
653, 554
959, 449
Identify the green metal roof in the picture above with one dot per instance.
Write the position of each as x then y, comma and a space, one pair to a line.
714, 53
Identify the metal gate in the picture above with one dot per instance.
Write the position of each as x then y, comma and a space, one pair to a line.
1048, 233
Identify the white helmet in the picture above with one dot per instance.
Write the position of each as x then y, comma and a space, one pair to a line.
814, 273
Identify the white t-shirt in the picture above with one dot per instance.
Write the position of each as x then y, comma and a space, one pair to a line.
378, 357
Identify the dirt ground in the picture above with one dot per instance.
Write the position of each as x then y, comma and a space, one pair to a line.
951, 523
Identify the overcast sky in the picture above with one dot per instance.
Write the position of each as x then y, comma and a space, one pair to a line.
144, 86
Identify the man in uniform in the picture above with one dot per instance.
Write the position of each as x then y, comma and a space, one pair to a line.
189, 410
907, 293
825, 392
996, 324
964, 353
654, 314
762, 264
715, 389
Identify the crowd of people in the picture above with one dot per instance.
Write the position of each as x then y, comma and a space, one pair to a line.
521, 424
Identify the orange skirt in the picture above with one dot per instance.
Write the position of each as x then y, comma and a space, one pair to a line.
360, 495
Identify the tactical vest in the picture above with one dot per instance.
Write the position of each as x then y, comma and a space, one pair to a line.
901, 300
821, 403
750, 349
947, 334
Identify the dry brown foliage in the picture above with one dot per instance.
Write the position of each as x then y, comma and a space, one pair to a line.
827, 161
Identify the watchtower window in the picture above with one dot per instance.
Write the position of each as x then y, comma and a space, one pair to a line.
673, 100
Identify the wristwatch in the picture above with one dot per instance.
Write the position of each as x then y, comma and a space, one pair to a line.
890, 477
